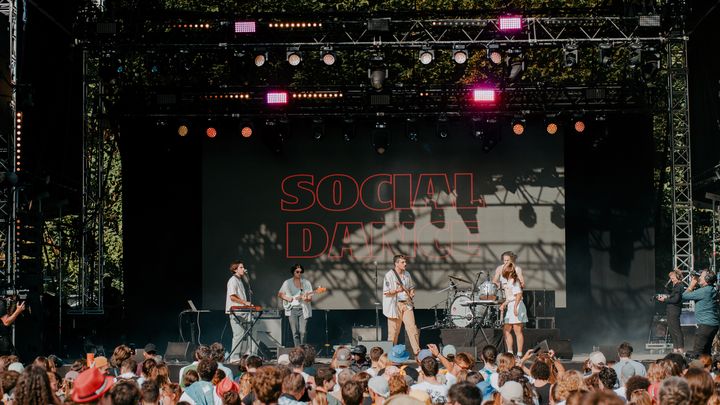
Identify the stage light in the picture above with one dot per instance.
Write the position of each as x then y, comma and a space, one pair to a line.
293, 56
518, 125
494, 54
510, 23
650, 62
244, 27
377, 72
484, 95
578, 124
426, 56
276, 97
318, 128
605, 54
411, 129
557, 216
261, 58
183, 130
551, 124
380, 138
211, 132
570, 55
247, 129
327, 56
527, 215
441, 129
460, 54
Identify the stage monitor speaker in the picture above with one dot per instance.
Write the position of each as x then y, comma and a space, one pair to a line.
364, 333
610, 352
268, 332
177, 351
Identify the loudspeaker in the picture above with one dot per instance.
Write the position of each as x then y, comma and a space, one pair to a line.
268, 331
177, 351
539, 303
610, 352
364, 333
563, 348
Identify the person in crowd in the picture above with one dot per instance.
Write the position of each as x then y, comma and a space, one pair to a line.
201, 352
101, 362
352, 393
398, 293
33, 387
296, 293
461, 361
360, 361
596, 362
397, 357
342, 377
398, 385
325, 384
267, 384
170, 394
505, 362
379, 389
570, 381
124, 393
127, 370
674, 391
609, 381
701, 386
362, 378
217, 353
624, 351
90, 386
540, 372
202, 392
293, 389
148, 370
702, 291
8, 318
150, 352
673, 308
150, 393
297, 363
376, 353
120, 354
464, 393
309, 363
428, 381
513, 308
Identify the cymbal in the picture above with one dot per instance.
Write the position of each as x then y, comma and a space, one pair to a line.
459, 279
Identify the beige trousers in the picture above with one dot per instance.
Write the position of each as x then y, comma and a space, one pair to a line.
406, 316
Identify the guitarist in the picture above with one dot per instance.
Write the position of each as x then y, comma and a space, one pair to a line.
398, 292
296, 293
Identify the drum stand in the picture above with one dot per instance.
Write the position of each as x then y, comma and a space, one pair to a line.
479, 326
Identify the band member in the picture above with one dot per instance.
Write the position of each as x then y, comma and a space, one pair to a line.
513, 308
237, 296
7, 318
508, 257
398, 292
673, 301
706, 310
297, 292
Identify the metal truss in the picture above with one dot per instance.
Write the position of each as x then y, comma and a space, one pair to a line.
679, 133
214, 31
8, 195
92, 248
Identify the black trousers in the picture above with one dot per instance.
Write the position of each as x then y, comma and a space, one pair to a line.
673, 322
6, 346
704, 336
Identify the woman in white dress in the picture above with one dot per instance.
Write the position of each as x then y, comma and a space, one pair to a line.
515, 313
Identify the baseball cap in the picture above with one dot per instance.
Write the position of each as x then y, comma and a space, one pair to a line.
380, 386
423, 354
512, 391
342, 357
597, 359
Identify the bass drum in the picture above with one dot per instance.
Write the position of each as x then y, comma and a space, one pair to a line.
461, 315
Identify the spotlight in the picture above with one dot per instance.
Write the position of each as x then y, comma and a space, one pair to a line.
650, 62
442, 126
518, 125
460, 54
527, 215
327, 56
570, 55
484, 95
244, 27
494, 54
377, 72
246, 129
551, 124
605, 54
183, 130
211, 132
380, 138
261, 58
293, 56
276, 97
426, 56
491, 135
557, 216
516, 64
578, 123
318, 128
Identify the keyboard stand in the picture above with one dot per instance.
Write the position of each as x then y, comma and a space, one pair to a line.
254, 317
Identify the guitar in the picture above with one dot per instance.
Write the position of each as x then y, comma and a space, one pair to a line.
301, 297
408, 300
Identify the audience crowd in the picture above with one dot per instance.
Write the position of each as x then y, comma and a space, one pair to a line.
356, 376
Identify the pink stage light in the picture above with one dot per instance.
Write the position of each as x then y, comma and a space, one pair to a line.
510, 23
277, 97
483, 95
244, 27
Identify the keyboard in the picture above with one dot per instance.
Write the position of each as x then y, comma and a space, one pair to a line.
246, 308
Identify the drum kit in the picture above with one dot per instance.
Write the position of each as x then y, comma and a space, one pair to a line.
478, 307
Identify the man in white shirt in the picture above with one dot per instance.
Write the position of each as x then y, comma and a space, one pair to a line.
429, 383
624, 353
237, 295
398, 292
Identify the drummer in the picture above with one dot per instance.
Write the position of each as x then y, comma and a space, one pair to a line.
508, 257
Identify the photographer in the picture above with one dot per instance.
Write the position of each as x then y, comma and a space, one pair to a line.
7, 318
706, 310
673, 309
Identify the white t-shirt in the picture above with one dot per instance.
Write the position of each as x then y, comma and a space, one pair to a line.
234, 287
438, 392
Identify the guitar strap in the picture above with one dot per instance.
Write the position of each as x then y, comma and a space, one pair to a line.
397, 276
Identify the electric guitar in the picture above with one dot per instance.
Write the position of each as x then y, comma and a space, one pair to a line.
301, 297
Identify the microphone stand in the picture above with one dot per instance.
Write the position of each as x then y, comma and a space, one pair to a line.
377, 304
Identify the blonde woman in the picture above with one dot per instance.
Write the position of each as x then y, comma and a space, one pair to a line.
515, 313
